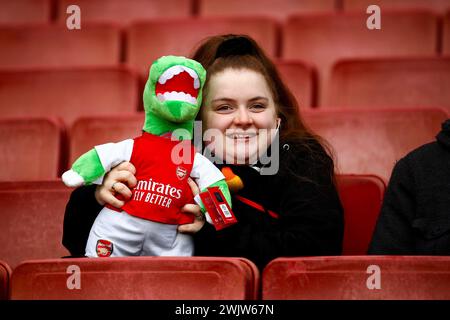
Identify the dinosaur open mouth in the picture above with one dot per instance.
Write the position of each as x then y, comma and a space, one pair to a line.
178, 83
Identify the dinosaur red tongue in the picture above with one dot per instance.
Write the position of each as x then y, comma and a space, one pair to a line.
181, 82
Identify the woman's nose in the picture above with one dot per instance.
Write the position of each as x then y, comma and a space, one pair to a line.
243, 117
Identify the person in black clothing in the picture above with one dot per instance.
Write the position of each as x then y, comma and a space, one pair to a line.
295, 211
415, 216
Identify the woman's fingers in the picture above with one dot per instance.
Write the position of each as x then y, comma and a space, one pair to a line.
118, 181
110, 199
192, 208
127, 166
199, 220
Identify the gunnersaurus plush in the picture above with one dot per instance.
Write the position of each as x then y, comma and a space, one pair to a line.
147, 224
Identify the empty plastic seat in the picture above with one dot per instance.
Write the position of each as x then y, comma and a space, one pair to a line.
361, 197
68, 93
123, 12
55, 45
324, 39
299, 77
32, 220
407, 82
88, 132
438, 6
5, 275
24, 11
30, 148
446, 34
276, 9
342, 278
371, 141
168, 278
150, 40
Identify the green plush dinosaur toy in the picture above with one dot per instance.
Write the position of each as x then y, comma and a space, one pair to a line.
172, 98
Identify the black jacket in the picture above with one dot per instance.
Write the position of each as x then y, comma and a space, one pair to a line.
302, 193
415, 216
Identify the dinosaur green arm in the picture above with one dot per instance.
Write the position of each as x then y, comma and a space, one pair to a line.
89, 166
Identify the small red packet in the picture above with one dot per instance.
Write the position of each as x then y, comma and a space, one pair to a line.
217, 207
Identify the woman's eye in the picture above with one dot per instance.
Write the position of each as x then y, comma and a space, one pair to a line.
258, 106
224, 108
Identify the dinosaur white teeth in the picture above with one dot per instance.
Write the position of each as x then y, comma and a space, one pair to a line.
176, 96
174, 70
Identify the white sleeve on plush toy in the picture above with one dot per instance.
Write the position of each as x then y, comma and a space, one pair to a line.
112, 154
204, 172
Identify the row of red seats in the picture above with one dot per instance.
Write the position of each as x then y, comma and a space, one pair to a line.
199, 278
26, 11
316, 38
42, 148
360, 83
403, 34
32, 216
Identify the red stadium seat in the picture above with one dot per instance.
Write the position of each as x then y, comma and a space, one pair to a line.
55, 45
299, 77
276, 9
361, 197
5, 275
446, 34
30, 148
155, 278
150, 40
68, 93
439, 6
407, 82
123, 12
32, 220
24, 11
371, 141
88, 132
355, 278
324, 39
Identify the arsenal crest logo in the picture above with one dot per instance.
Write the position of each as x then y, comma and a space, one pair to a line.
181, 172
104, 248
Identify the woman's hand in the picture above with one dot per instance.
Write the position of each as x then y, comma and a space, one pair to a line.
193, 209
117, 182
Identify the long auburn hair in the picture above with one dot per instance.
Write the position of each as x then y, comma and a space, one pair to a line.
218, 53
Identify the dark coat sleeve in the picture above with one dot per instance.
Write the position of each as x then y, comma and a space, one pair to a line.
310, 220
80, 214
394, 233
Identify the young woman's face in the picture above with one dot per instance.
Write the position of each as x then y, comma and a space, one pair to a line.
239, 113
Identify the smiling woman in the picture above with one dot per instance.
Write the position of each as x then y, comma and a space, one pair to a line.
294, 211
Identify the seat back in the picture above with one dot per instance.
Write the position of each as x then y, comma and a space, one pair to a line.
5, 275
370, 141
300, 78
124, 12
361, 197
88, 132
439, 6
355, 278
148, 41
276, 9
30, 148
32, 220
167, 278
407, 82
68, 93
446, 34
25, 11
326, 38
49, 45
